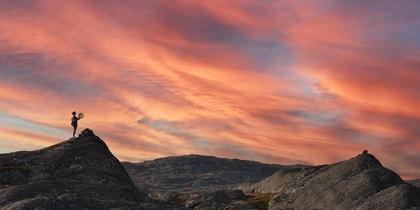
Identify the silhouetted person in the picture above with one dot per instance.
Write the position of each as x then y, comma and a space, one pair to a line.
74, 120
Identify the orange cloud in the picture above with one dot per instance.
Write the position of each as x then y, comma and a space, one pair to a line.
277, 82
22, 140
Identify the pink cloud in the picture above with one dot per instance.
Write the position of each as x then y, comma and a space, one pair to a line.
276, 81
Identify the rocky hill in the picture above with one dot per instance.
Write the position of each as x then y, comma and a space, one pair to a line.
359, 183
195, 173
199, 182
80, 173
206, 182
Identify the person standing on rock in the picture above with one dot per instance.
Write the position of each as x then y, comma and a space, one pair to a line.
74, 120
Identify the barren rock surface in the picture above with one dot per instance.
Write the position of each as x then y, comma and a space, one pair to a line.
80, 173
359, 183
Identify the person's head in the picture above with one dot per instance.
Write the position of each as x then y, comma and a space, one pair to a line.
73, 113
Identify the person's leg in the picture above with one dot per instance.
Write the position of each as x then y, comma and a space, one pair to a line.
74, 131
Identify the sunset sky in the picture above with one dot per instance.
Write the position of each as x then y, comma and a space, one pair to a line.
287, 82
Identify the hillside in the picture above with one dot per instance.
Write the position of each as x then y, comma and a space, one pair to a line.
194, 174
358, 183
415, 182
80, 173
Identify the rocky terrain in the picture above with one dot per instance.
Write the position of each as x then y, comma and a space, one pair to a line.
81, 173
415, 182
205, 182
199, 182
359, 183
195, 174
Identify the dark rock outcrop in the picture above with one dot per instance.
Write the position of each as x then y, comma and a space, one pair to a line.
80, 173
359, 183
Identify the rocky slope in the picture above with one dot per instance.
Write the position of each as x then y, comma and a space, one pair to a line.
80, 173
195, 174
359, 183
415, 182
200, 182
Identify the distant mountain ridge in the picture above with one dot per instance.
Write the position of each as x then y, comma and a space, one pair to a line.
415, 182
190, 173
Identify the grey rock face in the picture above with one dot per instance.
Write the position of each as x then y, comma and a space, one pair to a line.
359, 183
80, 173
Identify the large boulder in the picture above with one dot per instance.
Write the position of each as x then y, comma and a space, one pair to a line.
80, 173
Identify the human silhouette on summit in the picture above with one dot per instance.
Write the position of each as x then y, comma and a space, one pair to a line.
74, 120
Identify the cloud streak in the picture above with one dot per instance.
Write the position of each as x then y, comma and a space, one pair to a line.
279, 82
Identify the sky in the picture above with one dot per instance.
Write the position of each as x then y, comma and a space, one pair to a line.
287, 82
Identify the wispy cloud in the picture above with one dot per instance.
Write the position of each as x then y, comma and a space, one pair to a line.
286, 82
